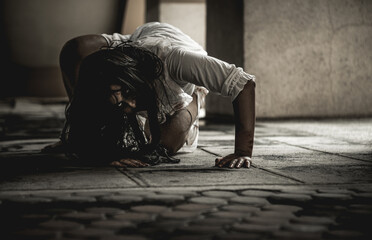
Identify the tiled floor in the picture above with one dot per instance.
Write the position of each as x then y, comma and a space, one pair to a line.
311, 179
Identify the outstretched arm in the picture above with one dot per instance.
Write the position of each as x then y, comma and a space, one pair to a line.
227, 80
245, 118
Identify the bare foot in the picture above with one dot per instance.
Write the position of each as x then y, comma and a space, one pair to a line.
57, 147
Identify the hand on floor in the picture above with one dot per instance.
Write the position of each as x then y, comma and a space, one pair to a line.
127, 162
234, 161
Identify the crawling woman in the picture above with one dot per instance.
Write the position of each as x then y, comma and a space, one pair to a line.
135, 99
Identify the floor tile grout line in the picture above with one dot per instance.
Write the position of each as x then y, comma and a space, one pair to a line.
269, 171
310, 134
337, 154
213, 186
133, 176
279, 174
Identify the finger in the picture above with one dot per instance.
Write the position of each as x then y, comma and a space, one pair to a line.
247, 163
117, 164
144, 164
233, 163
139, 163
218, 160
240, 163
128, 162
136, 162
225, 161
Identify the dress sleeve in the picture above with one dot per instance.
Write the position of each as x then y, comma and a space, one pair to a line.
202, 70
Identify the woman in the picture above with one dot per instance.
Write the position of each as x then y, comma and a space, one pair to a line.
135, 99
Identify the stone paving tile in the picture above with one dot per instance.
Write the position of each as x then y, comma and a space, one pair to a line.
326, 144
125, 236
274, 214
251, 227
104, 210
130, 192
197, 229
240, 208
239, 236
195, 207
262, 220
82, 216
227, 214
166, 198
344, 234
220, 194
78, 178
208, 176
61, 225
290, 198
252, 201
94, 194
256, 193
313, 220
135, 217
89, 233
112, 224
75, 199
122, 199
281, 208
170, 219
35, 218
179, 215
284, 234
299, 191
150, 209
28, 200
192, 237
308, 228
213, 221
185, 193
208, 200
305, 165
169, 224
303, 185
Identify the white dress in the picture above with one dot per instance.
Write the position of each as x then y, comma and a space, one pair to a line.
187, 70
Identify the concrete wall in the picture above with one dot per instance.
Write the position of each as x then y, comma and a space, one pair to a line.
225, 42
188, 15
311, 57
34, 33
135, 15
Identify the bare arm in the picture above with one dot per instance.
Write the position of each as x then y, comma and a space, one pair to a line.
226, 79
245, 118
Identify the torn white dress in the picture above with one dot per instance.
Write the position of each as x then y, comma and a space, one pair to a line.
187, 70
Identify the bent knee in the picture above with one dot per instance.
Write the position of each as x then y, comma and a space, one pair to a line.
175, 132
78, 48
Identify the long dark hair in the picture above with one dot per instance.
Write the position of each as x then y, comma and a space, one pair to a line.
136, 70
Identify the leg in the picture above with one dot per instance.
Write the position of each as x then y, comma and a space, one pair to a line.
72, 54
174, 131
